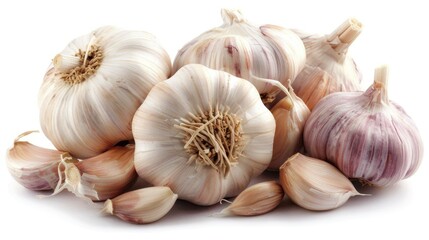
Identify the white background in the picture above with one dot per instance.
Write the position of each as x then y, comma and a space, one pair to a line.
32, 32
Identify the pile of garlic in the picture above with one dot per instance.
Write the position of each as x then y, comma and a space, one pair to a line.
238, 100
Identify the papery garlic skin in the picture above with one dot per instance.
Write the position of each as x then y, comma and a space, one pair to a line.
86, 106
329, 68
141, 206
101, 177
365, 135
233, 144
34, 167
290, 114
315, 184
247, 51
256, 200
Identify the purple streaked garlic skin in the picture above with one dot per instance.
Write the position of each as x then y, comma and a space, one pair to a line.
367, 136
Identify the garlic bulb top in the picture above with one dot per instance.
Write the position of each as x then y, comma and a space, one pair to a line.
203, 133
247, 51
365, 135
328, 67
89, 96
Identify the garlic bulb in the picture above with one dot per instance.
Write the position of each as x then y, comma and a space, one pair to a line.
290, 114
101, 177
247, 51
365, 135
145, 205
315, 184
203, 133
328, 67
34, 167
89, 96
258, 199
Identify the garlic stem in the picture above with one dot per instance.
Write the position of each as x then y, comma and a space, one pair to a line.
344, 35
91, 41
64, 63
231, 16
381, 75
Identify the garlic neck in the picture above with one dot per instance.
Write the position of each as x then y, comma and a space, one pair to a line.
344, 35
76, 69
381, 76
212, 139
231, 16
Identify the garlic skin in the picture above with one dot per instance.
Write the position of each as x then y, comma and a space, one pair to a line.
247, 51
101, 177
290, 114
256, 200
33, 167
328, 68
315, 184
142, 206
365, 135
89, 96
204, 133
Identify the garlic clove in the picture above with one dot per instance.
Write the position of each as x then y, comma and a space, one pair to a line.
365, 135
315, 85
315, 184
247, 51
290, 114
101, 177
141, 206
258, 199
34, 167
88, 98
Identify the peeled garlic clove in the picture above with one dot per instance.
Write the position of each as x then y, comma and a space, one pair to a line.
315, 184
258, 199
247, 51
89, 96
365, 135
204, 133
34, 167
141, 206
328, 67
101, 177
290, 114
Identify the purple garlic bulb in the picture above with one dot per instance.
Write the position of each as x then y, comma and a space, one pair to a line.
367, 136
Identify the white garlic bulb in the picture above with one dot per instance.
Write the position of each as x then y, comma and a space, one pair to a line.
34, 167
247, 51
365, 135
290, 114
89, 96
203, 133
328, 67
315, 184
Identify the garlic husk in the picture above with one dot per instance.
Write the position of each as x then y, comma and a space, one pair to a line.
247, 51
315, 184
365, 135
290, 114
87, 104
204, 133
255, 200
329, 68
34, 167
101, 177
141, 206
